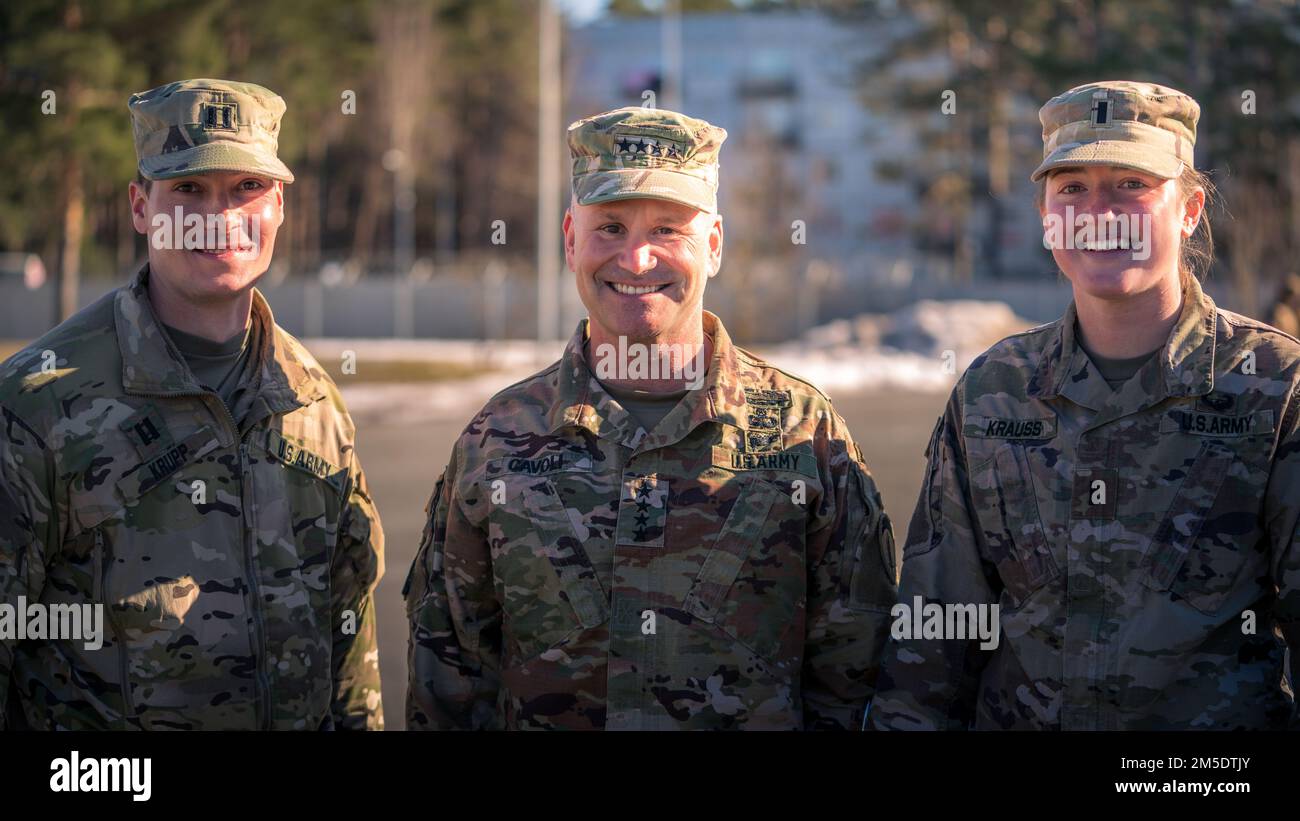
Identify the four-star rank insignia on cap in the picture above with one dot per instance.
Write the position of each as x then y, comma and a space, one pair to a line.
766, 419
633, 146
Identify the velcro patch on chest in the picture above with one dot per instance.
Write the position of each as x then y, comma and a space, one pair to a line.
162, 463
1197, 423
997, 427
766, 418
147, 431
294, 455
642, 511
785, 460
540, 464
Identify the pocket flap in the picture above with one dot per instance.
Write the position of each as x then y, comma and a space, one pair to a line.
1182, 523
559, 545
151, 472
731, 547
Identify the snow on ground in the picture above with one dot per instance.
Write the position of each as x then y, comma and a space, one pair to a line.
920, 348
923, 347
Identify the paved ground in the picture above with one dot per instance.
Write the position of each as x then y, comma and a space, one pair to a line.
403, 460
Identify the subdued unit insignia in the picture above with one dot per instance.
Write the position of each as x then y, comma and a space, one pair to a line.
766, 409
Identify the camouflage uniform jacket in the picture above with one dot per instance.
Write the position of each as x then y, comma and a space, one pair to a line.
732, 568
1141, 544
227, 559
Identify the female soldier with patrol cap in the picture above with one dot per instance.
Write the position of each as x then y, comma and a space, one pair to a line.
1119, 488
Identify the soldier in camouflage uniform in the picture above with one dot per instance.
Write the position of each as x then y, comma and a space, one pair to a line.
1134, 516
590, 563
220, 517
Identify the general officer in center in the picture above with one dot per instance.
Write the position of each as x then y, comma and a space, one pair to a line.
612, 547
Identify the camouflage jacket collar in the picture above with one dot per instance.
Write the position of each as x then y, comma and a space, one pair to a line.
1185, 364
583, 401
151, 365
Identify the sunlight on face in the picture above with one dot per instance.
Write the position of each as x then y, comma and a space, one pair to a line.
642, 264
210, 272
1099, 192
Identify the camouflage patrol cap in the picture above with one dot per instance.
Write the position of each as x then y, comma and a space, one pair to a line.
1145, 126
646, 152
197, 126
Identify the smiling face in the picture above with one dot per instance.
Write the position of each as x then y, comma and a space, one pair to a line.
641, 267
1161, 210
207, 273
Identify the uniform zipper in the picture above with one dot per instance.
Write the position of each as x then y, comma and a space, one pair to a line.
245, 485
259, 633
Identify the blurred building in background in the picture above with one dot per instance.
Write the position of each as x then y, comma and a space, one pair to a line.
809, 190
878, 151
801, 146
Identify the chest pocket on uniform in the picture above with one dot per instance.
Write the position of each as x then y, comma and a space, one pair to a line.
173, 583
1007, 510
546, 584
313, 490
752, 583
1201, 572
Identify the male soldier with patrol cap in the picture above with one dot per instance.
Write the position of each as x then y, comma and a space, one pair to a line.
622, 549
172, 455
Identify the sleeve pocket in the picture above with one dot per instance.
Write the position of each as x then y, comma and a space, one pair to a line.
925, 531
873, 574
417, 578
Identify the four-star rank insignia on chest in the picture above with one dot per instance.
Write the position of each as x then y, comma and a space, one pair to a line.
642, 511
766, 410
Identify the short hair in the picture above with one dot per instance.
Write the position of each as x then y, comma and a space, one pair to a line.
146, 184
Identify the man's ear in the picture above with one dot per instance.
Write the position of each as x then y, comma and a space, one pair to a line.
279, 203
139, 201
715, 246
569, 239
